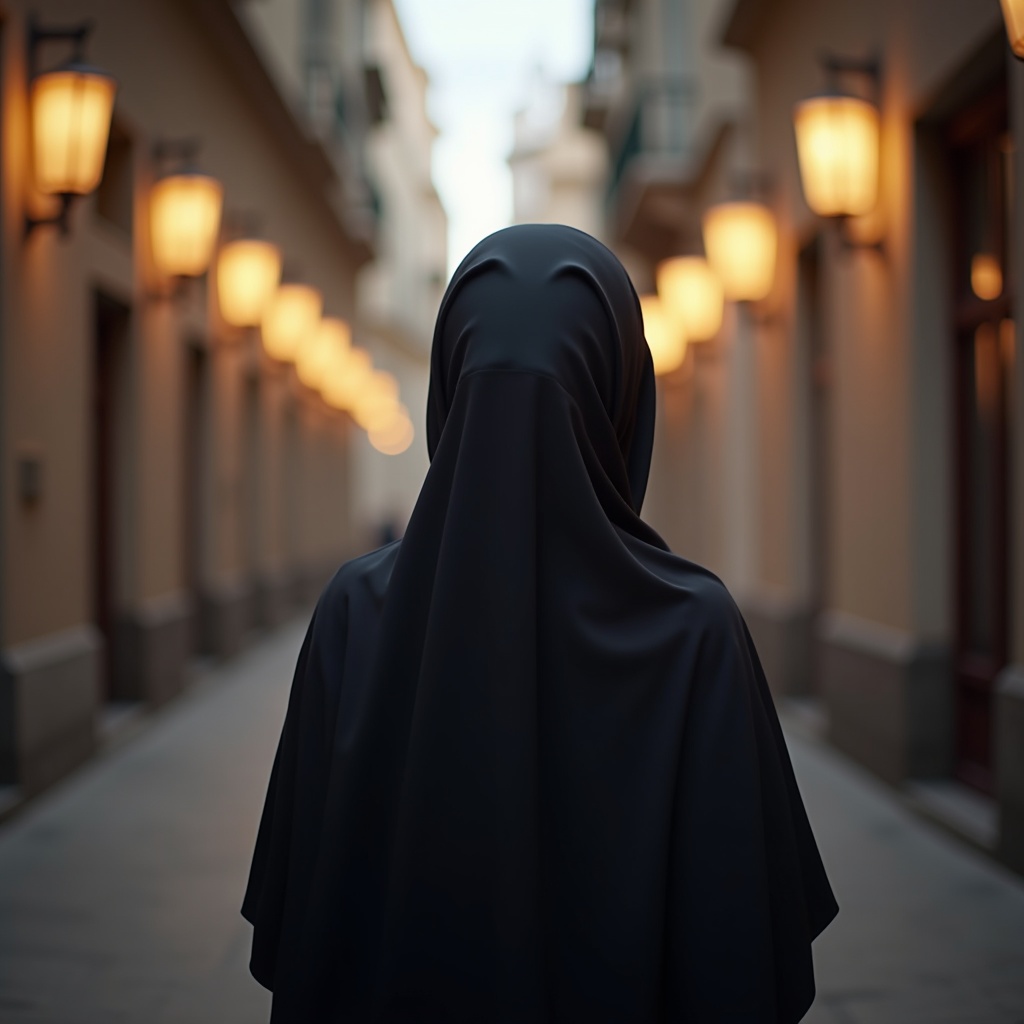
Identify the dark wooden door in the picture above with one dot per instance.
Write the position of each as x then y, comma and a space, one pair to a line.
110, 352
193, 475
981, 154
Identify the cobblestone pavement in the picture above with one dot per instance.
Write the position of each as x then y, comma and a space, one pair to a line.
119, 890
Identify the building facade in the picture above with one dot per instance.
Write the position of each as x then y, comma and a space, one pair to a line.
558, 166
167, 487
398, 294
848, 451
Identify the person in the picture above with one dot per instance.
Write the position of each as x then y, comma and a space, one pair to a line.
530, 769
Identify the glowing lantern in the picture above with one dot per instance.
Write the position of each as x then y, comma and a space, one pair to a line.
317, 351
346, 377
837, 147
375, 405
691, 294
248, 272
1013, 15
184, 215
395, 437
70, 111
741, 241
292, 314
664, 336
986, 276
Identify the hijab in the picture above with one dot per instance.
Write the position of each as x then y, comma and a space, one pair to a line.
530, 770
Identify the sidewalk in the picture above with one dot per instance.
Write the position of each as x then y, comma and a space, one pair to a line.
119, 891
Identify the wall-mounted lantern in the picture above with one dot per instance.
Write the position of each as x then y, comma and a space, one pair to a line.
70, 109
986, 276
317, 350
377, 402
664, 335
184, 214
838, 144
394, 437
741, 241
1013, 15
291, 316
348, 373
248, 273
692, 295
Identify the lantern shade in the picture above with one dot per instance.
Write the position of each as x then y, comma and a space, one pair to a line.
837, 140
376, 402
248, 273
986, 276
345, 378
394, 437
316, 351
692, 296
741, 241
292, 314
664, 335
184, 214
1013, 15
70, 111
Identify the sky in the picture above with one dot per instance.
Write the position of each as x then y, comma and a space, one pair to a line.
481, 56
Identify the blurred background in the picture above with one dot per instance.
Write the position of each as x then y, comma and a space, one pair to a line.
225, 228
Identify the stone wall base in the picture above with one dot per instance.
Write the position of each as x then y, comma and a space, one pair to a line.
151, 650
783, 633
272, 599
49, 692
225, 617
889, 698
1009, 765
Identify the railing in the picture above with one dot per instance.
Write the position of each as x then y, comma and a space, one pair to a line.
660, 123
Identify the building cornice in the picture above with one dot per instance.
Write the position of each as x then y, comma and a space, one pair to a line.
308, 157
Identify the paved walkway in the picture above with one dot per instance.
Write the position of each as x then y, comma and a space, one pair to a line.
119, 891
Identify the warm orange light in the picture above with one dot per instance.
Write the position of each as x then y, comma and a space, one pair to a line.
292, 314
317, 350
1013, 15
837, 147
395, 437
184, 216
986, 276
692, 296
374, 407
741, 241
70, 111
346, 376
248, 272
664, 336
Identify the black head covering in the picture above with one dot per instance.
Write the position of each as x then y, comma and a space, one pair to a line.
530, 769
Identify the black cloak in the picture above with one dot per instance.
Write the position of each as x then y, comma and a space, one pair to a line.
530, 769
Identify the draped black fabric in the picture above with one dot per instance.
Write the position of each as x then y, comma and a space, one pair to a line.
530, 769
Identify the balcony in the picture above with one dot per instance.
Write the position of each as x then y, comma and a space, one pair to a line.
651, 146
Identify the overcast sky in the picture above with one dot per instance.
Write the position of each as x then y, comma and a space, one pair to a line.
481, 56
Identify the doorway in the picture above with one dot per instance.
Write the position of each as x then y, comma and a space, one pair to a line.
110, 436
194, 475
980, 155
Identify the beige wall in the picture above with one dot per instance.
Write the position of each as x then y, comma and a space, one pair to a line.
172, 84
871, 320
398, 296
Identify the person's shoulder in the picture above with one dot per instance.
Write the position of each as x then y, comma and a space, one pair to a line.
709, 603
368, 573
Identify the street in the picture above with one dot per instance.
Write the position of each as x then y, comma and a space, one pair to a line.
119, 890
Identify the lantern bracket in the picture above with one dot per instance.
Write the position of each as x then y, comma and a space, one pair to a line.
837, 68
60, 219
184, 151
74, 34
